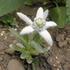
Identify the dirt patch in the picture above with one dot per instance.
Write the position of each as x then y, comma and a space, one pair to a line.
58, 58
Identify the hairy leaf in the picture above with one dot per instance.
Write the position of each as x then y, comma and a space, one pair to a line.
37, 46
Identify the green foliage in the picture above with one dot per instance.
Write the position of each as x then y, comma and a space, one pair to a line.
27, 48
8, 20
6, 6
11, 5
68, 10
58, 14
37, 38
26, 52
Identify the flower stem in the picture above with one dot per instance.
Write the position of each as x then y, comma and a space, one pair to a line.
34, 66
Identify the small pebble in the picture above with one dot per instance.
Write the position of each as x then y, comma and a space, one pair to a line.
68, 39
60, 37
15, 29
5, 38
2, 33
62, 43
1, 58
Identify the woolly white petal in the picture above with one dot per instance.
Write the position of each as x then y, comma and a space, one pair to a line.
45, 14
39, 13
47, 37
50, 24
24, 18
26, 30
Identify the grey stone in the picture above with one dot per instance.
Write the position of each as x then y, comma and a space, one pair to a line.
0, 68
15, 65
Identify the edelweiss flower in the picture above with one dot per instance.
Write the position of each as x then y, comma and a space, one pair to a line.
39, 24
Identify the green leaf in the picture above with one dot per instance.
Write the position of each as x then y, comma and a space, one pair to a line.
17, 48
7, 6
58, 14
26, 55
37, 47
29, 59
9, 20
68, 9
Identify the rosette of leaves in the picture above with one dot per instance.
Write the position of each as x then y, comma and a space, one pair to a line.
28, 48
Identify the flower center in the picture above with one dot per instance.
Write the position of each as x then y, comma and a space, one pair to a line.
39, 24
39, 21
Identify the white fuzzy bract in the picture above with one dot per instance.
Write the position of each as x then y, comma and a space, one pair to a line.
39, 24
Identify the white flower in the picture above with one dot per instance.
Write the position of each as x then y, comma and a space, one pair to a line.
39, 24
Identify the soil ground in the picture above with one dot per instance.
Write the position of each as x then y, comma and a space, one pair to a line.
57, 58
